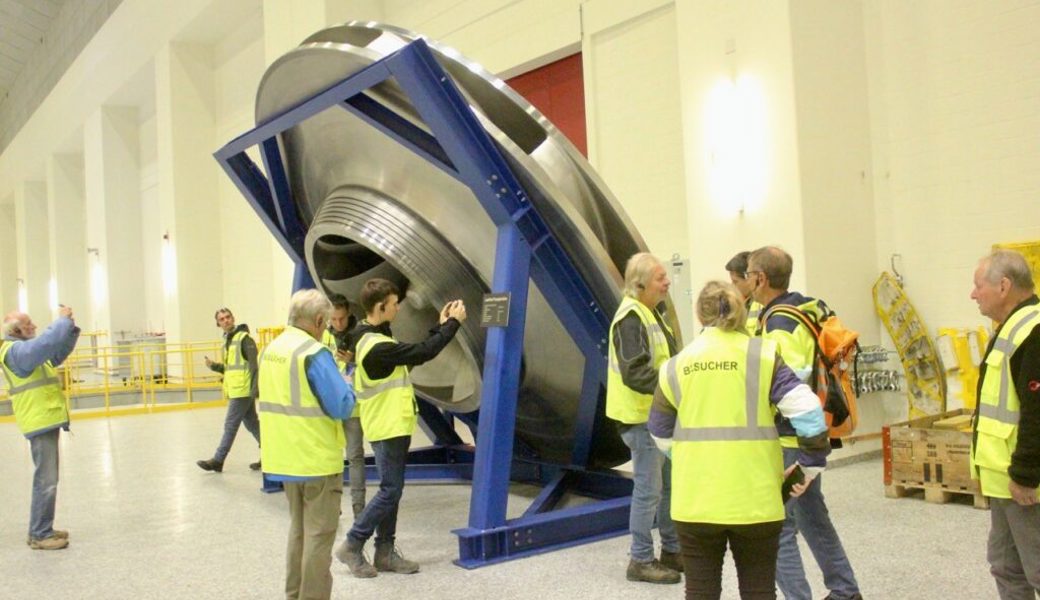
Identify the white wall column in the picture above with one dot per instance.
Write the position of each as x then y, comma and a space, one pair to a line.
8, 258
113, 217
188, 200
68, 234
31, 232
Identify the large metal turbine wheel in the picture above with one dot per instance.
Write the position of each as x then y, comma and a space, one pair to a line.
375, 209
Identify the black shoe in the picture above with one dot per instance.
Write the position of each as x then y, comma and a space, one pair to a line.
254, 466
833, 597
211, 465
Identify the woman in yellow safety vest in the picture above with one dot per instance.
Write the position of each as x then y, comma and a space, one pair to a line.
713, 415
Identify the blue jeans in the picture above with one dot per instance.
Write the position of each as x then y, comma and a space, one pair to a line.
651, 495
240, 411
45, 484
808, 514
380, 514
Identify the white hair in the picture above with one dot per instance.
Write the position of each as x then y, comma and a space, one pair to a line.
638, 272
1008, 263
11, 323
306, 305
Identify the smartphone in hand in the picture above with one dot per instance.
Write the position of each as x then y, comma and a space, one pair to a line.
796, 477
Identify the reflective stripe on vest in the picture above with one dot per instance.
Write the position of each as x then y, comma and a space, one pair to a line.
751, 430
17, 389
37, 400
1006, 345
388, 408
237, 379
295, 409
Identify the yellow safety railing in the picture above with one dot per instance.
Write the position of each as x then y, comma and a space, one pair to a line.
266, 334
145, 370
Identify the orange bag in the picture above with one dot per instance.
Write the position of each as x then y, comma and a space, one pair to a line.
834, 367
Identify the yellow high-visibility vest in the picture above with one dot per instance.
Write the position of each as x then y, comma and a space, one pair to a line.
727, 465
997, 427
299, 438
37, 400
623, 403
754, 311
387, 406
237, 382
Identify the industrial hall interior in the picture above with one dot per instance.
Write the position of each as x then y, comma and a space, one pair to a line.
520, 299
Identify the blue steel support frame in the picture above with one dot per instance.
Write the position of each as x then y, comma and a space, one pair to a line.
526, 249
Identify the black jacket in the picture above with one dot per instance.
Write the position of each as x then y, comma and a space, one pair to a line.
383, 358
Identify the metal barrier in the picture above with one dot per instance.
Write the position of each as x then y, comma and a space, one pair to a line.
147, 370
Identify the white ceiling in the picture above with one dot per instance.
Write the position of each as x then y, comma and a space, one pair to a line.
23, 24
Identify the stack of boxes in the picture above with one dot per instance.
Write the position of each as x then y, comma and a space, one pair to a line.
930, 453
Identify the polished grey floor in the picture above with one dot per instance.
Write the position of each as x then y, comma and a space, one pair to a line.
145, 522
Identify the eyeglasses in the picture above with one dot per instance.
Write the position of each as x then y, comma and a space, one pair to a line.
748, 274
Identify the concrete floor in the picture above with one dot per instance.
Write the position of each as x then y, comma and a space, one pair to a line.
145, 522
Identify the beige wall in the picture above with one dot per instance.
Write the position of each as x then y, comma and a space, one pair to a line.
954, 112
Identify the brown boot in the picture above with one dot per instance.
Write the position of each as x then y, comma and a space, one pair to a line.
672, 560
352, 554
49, 543
651, 572
387, 558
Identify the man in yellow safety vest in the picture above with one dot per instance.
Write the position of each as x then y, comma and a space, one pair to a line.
1005, 448
39, 409
304, 400
388, 415
239, 369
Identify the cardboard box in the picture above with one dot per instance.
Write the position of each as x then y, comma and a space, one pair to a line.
917, 453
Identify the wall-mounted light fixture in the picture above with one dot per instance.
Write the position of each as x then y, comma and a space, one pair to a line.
96, 252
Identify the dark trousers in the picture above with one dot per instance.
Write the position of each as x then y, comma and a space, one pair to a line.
754, 552
380, 514
240, 411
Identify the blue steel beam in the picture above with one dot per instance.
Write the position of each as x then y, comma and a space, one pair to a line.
401, 130
561, 528
526, 250
249, 180
281, 194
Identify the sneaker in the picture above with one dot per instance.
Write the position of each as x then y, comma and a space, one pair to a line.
357, 508
853, 597
671, 560
254, 466
57, 533
49, 543
354, 558
211, 465
651, 572
388, 558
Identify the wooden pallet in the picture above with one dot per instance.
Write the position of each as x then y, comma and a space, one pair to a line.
935, 494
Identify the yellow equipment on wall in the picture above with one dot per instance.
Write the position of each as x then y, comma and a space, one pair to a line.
962, 353
925, 376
